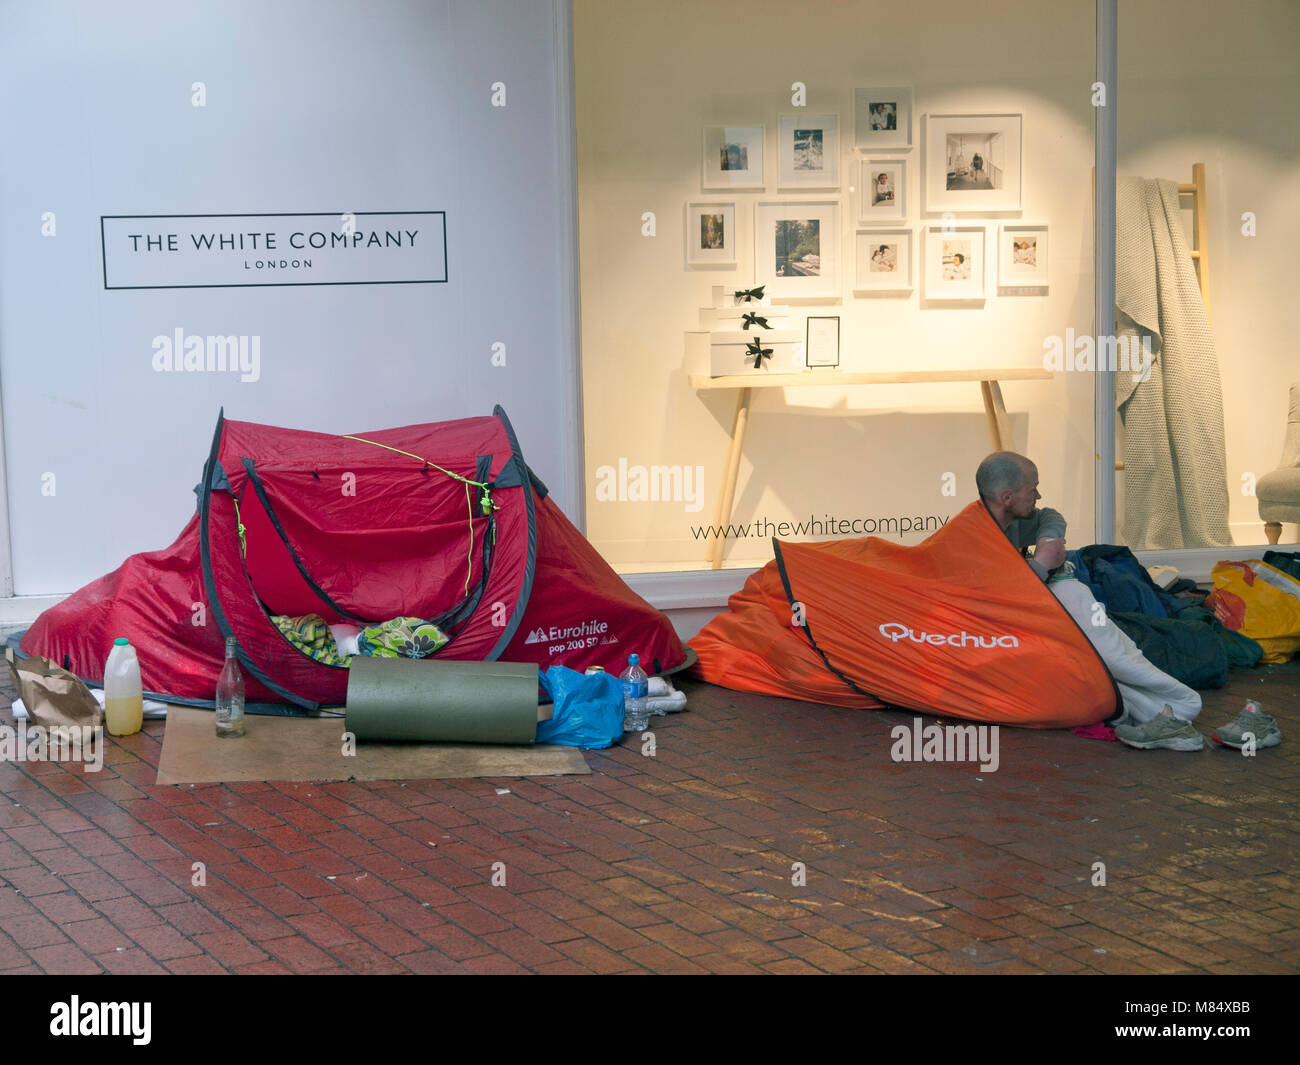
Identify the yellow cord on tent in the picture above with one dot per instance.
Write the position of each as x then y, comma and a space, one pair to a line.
486, 505
243, 546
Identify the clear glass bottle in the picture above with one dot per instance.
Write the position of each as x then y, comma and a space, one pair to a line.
230, 695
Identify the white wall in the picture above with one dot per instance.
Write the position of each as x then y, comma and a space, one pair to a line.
648, 77
321, 106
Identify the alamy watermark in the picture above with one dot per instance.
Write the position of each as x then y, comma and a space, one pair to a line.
56, 743
1104, 353
208, 354
946, 743
651, 484
77, 1018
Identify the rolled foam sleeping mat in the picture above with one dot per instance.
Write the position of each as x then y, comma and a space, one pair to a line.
441, 702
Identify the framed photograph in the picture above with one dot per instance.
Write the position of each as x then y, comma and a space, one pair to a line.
733, 157
882, 118
1022, 256
797, 249
823, 341
884, 258
810, 151
710, 234
882, 190
954, 262
972, 163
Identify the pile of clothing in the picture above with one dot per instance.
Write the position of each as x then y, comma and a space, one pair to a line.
335, 645
1172, 627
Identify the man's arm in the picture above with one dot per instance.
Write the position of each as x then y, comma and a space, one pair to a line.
1039, 569
1050, 522
1044, 523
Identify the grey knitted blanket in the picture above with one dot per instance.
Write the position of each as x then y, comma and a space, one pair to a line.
1176, 489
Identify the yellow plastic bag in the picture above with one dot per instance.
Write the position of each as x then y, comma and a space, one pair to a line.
1259, 601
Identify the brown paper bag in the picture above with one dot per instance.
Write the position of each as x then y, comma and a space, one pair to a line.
52, 695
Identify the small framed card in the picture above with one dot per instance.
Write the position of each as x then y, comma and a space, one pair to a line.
733, 157
810, 151
884, 259
823, 342
882, 118
710, 234
1022, 256
882, 190
954, 262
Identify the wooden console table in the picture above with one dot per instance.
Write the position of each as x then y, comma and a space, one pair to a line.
999, 423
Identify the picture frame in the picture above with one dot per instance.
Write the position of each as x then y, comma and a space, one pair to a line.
882, 118
955, 262
711, 234
822, 340
882, 190
1023, 256
973, 163
884, 261
809, 152
733, 158
797, 249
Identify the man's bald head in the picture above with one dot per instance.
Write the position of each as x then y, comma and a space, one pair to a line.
1003, 470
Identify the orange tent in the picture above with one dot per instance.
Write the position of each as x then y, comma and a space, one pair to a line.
957, 625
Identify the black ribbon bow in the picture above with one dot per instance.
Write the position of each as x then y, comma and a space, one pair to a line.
759, 352
755, 320
747, 294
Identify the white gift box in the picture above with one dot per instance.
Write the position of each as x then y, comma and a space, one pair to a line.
729, 354
731, 318
725, 296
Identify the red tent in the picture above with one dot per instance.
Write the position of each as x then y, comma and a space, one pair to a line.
956, 625
444, 522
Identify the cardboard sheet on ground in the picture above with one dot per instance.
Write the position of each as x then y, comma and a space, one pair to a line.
294, 748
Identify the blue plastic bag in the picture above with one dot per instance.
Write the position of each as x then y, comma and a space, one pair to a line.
588, 709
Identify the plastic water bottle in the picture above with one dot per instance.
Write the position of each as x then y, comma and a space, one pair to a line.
123, 695
636, 692
230, 695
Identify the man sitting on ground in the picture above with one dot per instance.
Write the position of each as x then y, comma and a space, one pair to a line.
1158, 709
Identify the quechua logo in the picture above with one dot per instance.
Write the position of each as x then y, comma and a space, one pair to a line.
895, 631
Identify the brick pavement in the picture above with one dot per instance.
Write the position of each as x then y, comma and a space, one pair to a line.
678, 863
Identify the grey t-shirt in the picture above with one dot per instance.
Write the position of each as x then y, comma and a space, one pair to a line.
1025, 532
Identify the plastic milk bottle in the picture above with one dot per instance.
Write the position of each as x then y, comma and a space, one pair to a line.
123, 696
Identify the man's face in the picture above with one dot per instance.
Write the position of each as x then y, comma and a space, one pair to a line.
1022, 501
